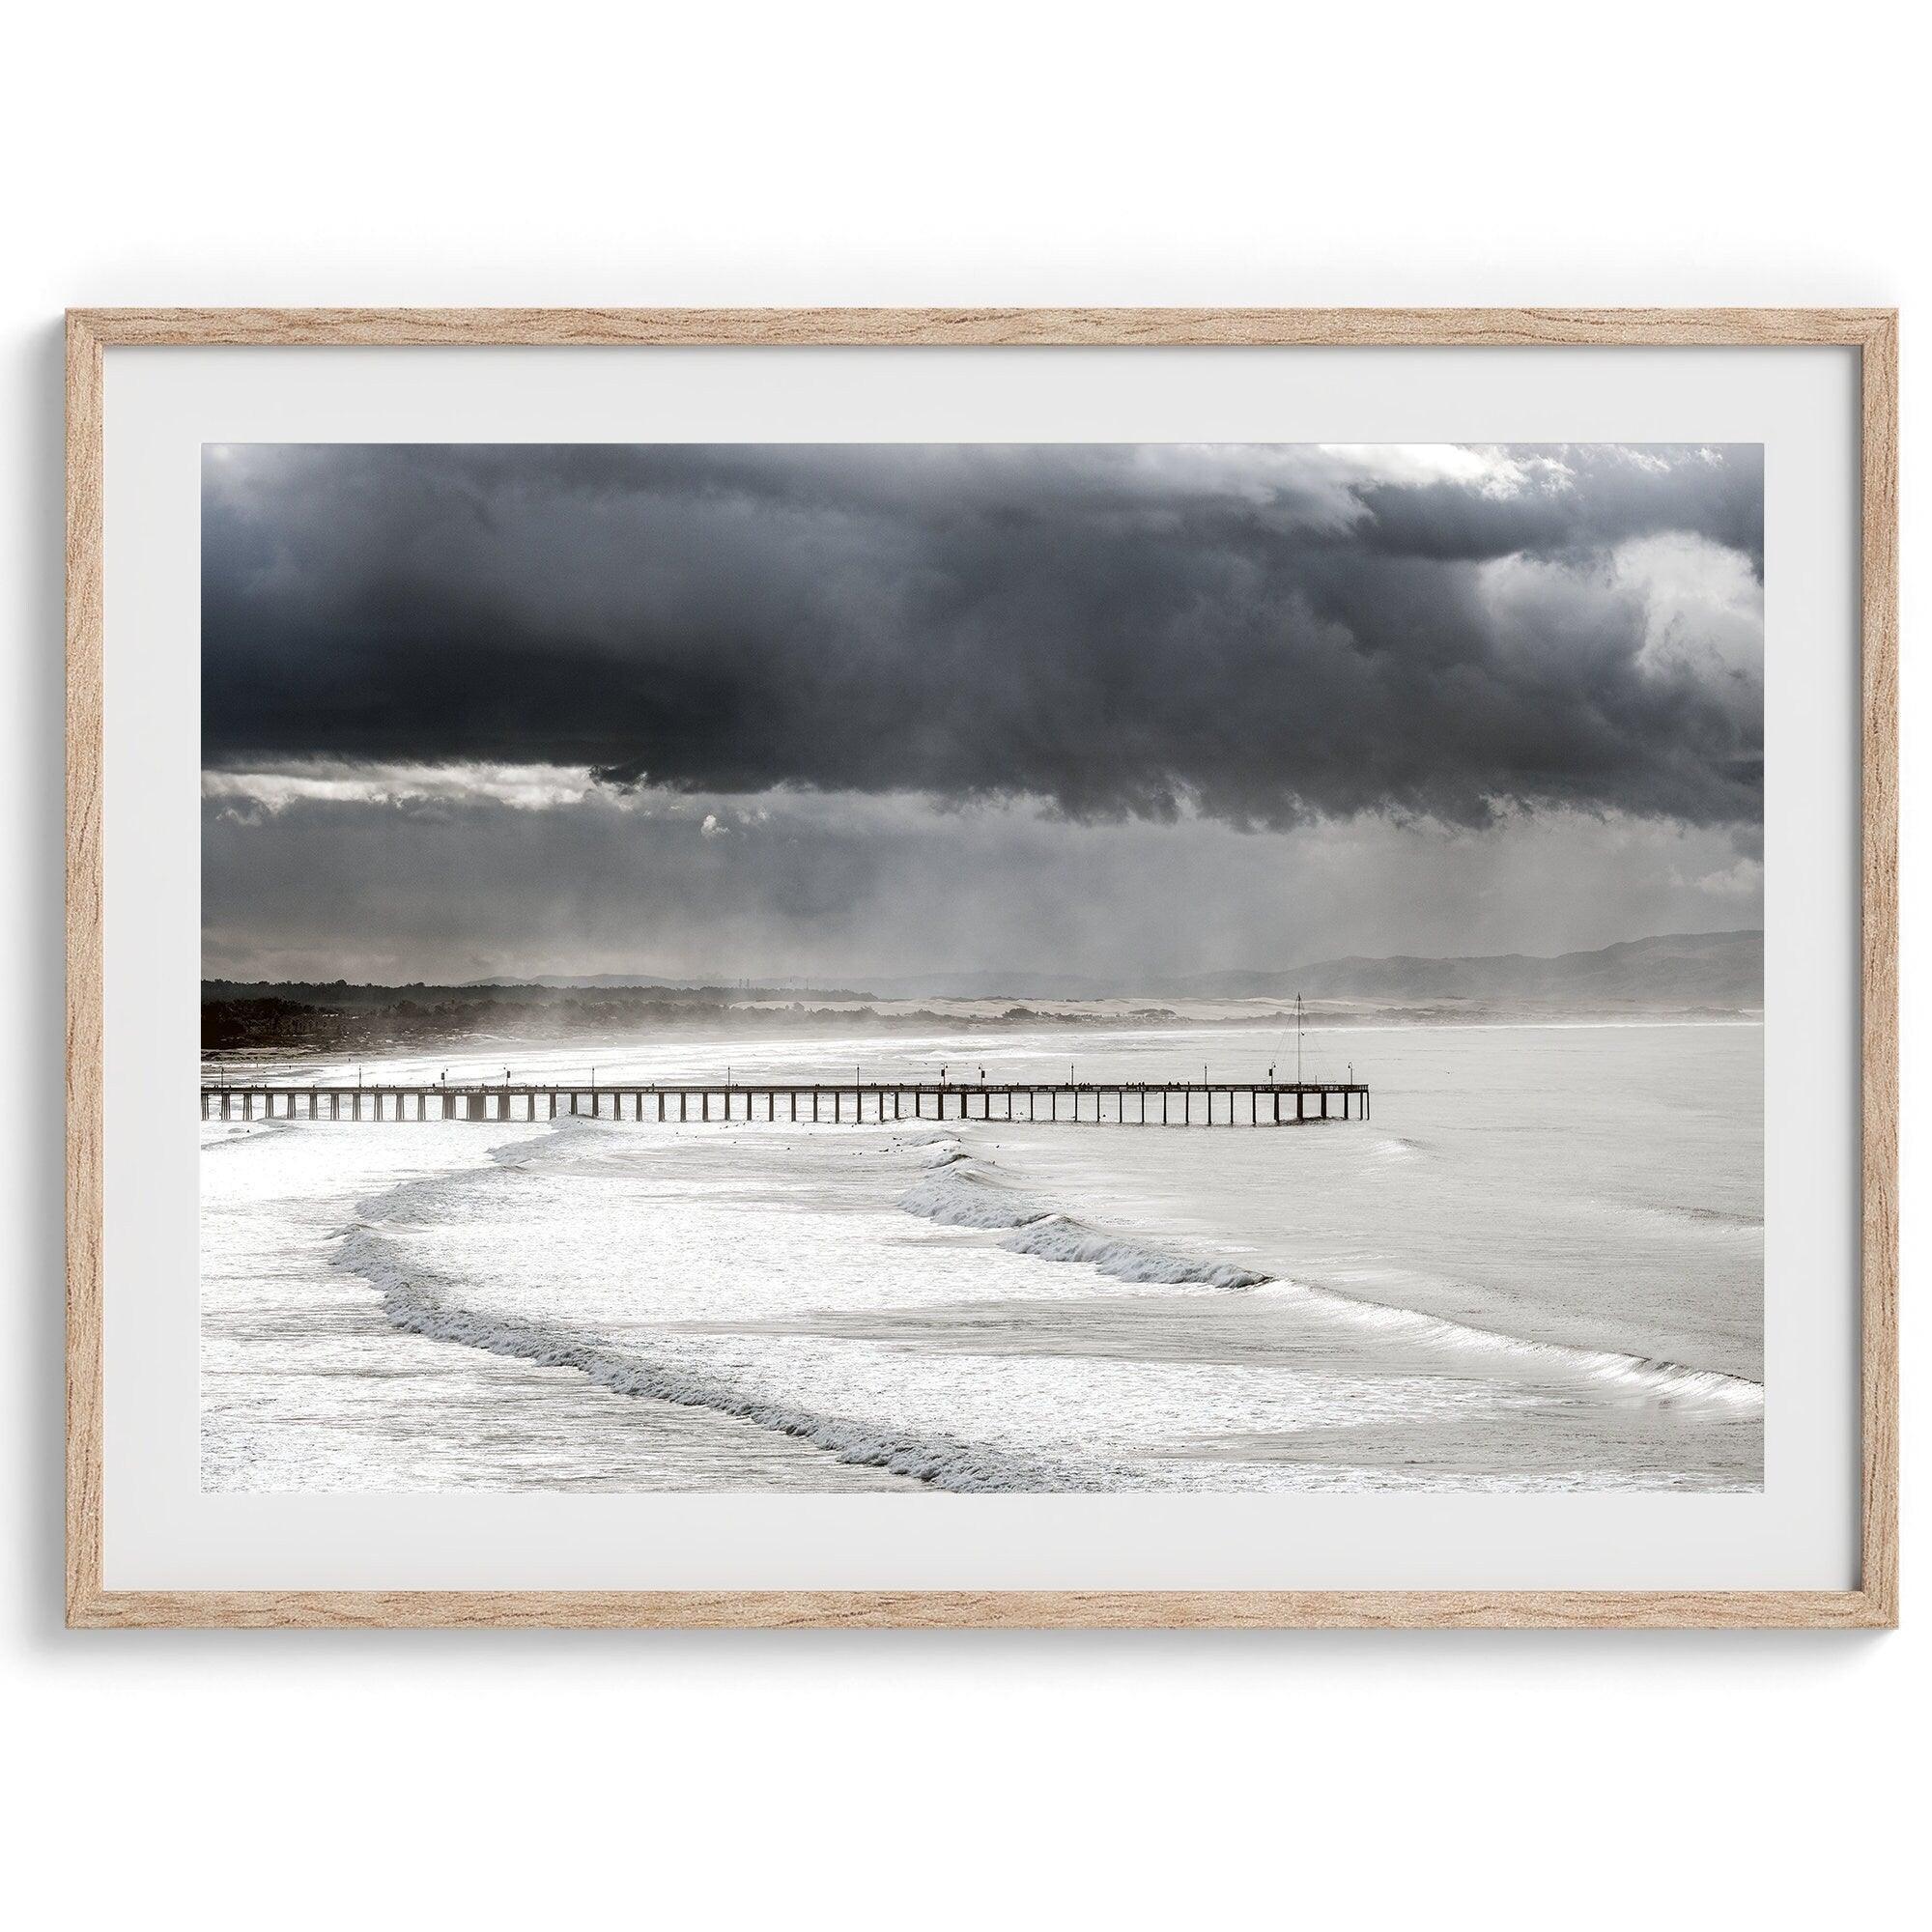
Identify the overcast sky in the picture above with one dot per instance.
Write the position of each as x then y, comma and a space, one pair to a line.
797, 711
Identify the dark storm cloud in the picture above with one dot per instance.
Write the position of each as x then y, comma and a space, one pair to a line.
1627, 494
1266, 636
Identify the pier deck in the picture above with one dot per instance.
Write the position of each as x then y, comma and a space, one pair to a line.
1236, 1103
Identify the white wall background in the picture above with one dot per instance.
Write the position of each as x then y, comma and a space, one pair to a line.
842, 154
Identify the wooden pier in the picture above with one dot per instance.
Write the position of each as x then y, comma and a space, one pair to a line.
1236, 1103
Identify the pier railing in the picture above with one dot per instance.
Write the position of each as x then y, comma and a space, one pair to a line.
1236, 1103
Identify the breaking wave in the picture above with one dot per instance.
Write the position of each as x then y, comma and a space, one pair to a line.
956, 1196
416, 1303
1395, 1147
961, 1193
1057, 1238
1638, 1376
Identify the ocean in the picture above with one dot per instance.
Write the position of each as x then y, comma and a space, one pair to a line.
1539, 1266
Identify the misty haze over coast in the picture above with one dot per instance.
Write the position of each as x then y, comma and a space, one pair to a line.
1697, 966
1704, 973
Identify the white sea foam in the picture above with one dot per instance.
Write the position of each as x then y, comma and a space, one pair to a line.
417, 1305
238, 1133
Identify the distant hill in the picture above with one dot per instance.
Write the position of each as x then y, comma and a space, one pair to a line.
1677, 968
1707, 968
736, 989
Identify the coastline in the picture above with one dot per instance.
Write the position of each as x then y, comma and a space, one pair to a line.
1141, 1326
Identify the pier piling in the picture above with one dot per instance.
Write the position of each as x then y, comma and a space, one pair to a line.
1316, 1102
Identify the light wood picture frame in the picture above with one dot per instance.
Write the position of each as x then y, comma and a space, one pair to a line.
90, 334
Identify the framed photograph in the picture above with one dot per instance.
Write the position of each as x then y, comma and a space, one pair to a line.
1011, 968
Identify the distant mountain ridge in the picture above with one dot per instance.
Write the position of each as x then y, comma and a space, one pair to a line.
1724, 968
1674, 968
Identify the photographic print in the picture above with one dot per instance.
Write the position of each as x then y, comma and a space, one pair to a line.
983, 968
